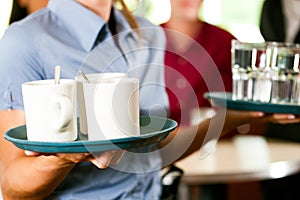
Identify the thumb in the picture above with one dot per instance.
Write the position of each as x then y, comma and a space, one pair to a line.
31, 153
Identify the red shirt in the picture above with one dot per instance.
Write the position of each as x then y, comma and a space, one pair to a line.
205, 66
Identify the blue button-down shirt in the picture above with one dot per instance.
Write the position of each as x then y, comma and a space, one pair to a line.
64, 34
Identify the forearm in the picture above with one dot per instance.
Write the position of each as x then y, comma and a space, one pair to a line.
214, 128
34, 177
182, 142
22, 176
187, 140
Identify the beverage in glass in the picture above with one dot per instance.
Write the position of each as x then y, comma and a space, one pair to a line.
248, 64
285, 66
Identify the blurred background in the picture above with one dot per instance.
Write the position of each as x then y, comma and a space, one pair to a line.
241, 18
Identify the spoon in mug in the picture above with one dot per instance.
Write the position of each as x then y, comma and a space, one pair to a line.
57, 75
84, 76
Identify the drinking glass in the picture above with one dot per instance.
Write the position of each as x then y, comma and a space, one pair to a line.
285, 66
295, 96
248, 64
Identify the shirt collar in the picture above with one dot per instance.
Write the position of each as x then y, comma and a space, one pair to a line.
83, 24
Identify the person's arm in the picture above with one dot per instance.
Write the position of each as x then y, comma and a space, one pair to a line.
24, 177
31, 175
185, 141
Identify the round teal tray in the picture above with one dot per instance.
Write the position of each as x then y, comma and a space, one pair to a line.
224, 99
153, 130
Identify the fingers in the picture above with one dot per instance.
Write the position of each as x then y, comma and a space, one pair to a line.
246, 114
117, 157
240, 116
31, 153
74, 157
287, 119
284, 116
101, 160
67, 157
237, 118
104, 159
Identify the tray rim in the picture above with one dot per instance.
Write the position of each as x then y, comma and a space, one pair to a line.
225, 99
86, 144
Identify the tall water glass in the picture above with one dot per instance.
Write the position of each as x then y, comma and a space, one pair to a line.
295, 96
285, 66
248, 62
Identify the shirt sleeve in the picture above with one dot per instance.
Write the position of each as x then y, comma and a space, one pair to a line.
18, 64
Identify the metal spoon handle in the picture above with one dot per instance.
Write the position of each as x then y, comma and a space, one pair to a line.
84, 76
57, 74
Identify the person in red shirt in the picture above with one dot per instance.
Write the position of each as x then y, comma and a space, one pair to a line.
197, 60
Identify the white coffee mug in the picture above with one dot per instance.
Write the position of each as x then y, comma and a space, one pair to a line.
93, 78
50, 110
112, 108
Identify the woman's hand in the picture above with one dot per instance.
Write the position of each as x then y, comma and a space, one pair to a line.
255, 121
284, 118
102, 159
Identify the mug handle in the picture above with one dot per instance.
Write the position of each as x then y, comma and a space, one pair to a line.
65, 112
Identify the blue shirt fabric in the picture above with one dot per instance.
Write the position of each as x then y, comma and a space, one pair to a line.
64, 34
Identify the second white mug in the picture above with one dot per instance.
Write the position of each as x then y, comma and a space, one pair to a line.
111, 108
92, 78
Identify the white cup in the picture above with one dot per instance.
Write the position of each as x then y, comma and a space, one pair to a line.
111, 108
93, 78
50, 110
